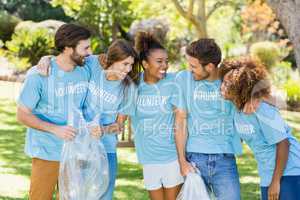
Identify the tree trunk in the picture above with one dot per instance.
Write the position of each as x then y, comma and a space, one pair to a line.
287, 12
198, 20
201, 16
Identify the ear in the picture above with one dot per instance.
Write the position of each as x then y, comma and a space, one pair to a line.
145, 64
68, 50
210, 67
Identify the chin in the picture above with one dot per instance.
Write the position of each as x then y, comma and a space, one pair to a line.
196, 78
161, 76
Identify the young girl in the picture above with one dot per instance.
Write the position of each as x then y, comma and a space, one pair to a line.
158, 115
277, 152
108, 86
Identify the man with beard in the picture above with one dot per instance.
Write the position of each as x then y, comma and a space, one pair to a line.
44, 105
211, 142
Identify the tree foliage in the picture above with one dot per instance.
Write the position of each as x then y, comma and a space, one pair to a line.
108, 19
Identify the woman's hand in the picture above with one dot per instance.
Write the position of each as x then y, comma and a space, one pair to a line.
273, 191
44, 66
96, 131
102, 59
113, 128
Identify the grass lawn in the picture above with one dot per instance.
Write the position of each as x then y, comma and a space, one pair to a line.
15, 166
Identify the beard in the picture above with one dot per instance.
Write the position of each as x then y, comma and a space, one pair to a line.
200, 78
77, 59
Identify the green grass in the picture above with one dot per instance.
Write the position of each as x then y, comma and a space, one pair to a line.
15, 166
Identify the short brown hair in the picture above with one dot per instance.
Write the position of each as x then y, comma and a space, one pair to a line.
69, 35
206, 51
249, 79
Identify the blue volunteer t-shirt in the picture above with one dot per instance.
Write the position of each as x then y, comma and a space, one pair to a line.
262, 131
104, 98
210, 117
152, 120
51, 99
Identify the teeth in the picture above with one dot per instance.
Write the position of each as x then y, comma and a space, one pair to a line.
162, 71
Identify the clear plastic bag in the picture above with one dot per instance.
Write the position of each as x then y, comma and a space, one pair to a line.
83, 172
193, 188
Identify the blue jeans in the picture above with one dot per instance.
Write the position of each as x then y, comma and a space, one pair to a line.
219, 173
289, 189
113, 167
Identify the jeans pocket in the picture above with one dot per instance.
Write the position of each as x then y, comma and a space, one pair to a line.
188, 156
229, 156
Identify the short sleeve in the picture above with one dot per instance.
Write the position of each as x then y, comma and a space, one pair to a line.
179, 95
177, 98
93, 65
128, 104
89, 107
272, 125
31, 92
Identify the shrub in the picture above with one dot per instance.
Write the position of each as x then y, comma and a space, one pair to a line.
7, 25
281, 73
267, 52
292, 88
31, 44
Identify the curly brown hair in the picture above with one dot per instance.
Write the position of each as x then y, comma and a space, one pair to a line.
248, 79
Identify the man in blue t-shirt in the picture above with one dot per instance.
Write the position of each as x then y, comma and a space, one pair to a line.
211, 142
44, 105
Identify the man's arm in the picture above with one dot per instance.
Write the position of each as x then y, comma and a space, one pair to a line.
25, 116
180, 132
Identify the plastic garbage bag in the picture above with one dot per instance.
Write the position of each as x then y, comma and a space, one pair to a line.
83, 172
193, 188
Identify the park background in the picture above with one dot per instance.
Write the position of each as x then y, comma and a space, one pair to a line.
268, 30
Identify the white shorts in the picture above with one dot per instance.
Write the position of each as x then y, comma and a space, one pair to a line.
162, 175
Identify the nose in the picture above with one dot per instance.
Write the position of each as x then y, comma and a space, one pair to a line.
89, 51
128, 69
164, 65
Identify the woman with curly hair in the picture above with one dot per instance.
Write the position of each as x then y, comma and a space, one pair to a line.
276, 150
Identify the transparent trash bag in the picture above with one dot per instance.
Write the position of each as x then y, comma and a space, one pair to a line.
193, 188
83, 172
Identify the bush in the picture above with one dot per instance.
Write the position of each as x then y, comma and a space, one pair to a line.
7, 25
292, 88
35, 10
14, 62
31, 44
267, 52
281, 73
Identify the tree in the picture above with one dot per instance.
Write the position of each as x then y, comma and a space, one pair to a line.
199, 18
35, 10
108, 19
287, 12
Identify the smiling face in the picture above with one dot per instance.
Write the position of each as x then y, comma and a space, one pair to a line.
156, 65
225, 87
80, 52
198, 70
123, 67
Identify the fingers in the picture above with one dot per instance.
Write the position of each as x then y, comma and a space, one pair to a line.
43, 65
103, 59
69, 132
96, 132
273, 195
